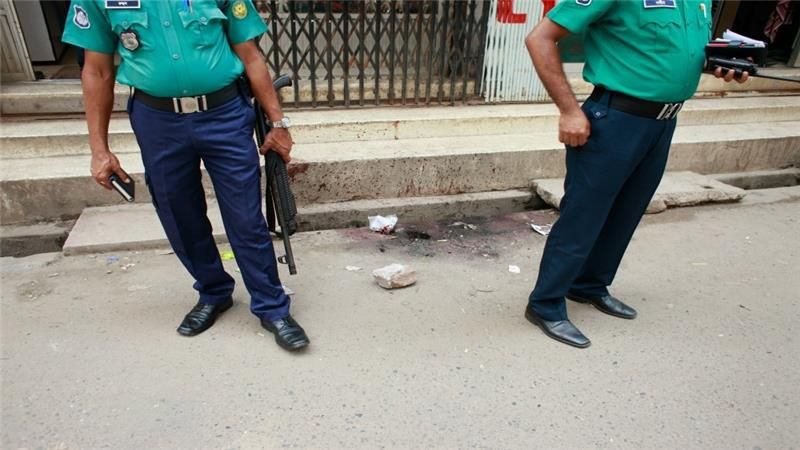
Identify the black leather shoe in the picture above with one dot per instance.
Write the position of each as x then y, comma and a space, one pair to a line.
562, 330
201, 317
607, 304
288, 333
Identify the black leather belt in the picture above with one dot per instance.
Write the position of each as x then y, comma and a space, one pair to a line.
186, 105
636, 106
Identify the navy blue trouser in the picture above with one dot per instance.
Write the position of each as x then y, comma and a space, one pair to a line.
609, 183
173, 145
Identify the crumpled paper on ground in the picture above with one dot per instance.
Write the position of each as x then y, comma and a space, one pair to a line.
544, 230
381, 224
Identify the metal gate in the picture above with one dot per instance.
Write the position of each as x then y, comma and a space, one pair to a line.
355, 53
16, 65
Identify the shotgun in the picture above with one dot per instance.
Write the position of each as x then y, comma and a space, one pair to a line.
278, 196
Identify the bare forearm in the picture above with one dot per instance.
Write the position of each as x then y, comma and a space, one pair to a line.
263, 90
549, 67
98, 95
278, 139
573, 127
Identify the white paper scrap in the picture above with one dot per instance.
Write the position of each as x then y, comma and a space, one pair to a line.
729, 35
383, 225
544, 230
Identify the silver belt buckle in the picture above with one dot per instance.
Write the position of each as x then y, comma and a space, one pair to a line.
189, 105
669, 111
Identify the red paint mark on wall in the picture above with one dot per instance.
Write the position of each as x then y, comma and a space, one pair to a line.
548, 5
506, 14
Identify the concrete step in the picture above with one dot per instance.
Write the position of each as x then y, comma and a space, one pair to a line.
60, 187
136, 227
24, 240
65, 96
761, 179
50, 97
772, 195
677, 189
36, 137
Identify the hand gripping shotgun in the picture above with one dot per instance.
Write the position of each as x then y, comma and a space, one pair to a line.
278, 196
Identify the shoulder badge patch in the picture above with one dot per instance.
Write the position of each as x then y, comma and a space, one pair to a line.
239, 10
81, 19
584, 2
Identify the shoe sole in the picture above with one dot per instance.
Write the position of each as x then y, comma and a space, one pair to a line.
190, 333
604, 311
290, 348
534, 320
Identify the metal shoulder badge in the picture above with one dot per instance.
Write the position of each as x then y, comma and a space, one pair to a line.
129, 40
239, 9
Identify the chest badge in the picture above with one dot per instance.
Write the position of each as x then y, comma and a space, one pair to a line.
129, 40
239, 10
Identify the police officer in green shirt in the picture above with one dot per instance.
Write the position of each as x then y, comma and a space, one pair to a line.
184, 60
644, 58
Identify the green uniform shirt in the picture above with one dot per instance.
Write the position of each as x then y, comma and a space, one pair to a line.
649, 49
168, 48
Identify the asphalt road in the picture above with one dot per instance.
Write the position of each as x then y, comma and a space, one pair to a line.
90, 357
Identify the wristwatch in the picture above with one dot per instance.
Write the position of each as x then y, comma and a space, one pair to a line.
283, 123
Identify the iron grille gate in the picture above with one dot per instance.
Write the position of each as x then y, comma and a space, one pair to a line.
360, 52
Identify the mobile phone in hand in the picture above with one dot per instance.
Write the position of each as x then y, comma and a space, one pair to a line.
126, 190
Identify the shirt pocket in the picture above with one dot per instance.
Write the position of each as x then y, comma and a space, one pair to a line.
204, 25
703, 21
130, 20
661, 30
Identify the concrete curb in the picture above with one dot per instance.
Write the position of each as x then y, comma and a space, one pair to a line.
677, 189
136, 227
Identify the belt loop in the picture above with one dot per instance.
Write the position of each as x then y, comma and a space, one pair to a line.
176, 105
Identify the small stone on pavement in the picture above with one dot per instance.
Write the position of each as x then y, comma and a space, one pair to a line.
395, 276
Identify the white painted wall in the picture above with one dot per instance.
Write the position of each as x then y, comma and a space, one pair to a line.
508, 74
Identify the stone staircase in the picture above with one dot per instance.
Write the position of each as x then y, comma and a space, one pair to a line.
417, 162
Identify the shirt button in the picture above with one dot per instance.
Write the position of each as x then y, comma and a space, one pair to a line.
185, 92
166, 23
125, 24
176, 56
203, 20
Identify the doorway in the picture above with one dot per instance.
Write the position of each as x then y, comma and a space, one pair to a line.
776, 22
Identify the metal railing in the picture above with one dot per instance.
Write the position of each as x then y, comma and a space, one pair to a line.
370, 52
